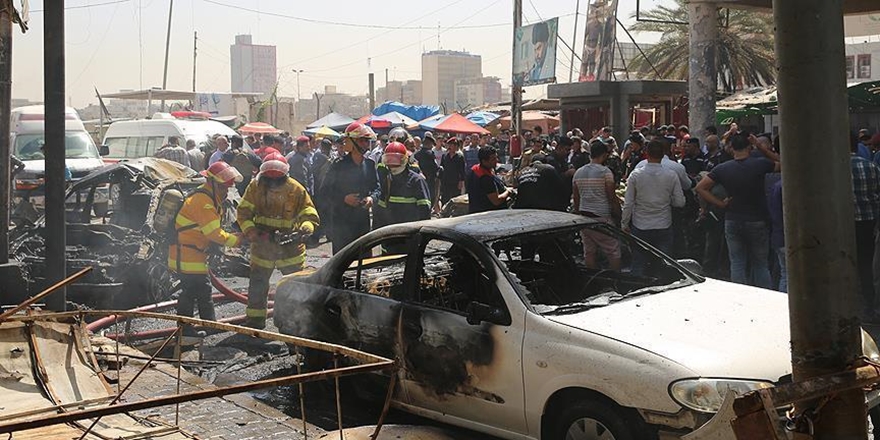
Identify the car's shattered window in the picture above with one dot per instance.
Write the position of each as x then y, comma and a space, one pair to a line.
557, 277
379, 272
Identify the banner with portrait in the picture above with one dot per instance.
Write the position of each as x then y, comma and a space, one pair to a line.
535, 55
599, 39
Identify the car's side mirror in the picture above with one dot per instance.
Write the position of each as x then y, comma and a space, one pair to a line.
691, 265
478, 313
104, 150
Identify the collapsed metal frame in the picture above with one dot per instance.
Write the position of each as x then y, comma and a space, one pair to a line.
368, 363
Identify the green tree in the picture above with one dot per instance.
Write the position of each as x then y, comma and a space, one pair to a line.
745, 55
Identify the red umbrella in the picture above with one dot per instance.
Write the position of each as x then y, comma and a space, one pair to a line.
258, 127
456, 123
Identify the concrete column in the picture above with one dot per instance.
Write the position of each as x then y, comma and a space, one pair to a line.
5, 147
620, 118
55, 231
702, 67
819, 218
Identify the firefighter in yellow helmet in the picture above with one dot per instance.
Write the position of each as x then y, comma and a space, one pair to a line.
276, 214
198, 226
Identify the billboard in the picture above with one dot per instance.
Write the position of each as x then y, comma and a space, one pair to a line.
534, 61
599, 37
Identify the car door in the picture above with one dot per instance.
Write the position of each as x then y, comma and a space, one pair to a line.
456, 364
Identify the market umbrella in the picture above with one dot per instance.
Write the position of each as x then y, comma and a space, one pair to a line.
397, 119
483, 118
336, 121
375, 122
454, 123
322, 132
427, 121
258, 127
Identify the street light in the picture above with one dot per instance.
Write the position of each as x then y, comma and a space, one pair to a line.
297, 82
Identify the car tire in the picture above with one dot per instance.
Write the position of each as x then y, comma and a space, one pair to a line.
595, 420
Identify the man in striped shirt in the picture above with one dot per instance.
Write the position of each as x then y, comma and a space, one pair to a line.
593, 190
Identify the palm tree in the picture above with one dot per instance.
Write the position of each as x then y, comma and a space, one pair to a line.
745, 53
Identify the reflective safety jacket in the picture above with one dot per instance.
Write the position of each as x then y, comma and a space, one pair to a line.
198, 225
276, 208
402, 198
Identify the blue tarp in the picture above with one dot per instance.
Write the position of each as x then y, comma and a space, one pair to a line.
483, 118
416, 112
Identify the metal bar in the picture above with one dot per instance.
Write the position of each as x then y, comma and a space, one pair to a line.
386, 407
302, 398
656, 72
577, 10
54, 232
5, 148
28, 302
167, 47
54, 408
272, 336
516, 91
338, 401
196, 395
166, 360
131, 382
177, 354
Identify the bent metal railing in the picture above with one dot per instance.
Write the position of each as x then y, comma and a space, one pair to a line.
366, 363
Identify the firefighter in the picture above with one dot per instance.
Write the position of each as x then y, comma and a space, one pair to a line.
403, 195
351, 186
197, 225
272, 211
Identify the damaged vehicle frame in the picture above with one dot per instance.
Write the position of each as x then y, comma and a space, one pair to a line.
129, 260
499, 326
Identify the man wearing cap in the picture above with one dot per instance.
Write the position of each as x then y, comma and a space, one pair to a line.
272, 211
429, 168
298, 161
198, 226
453, 172
403, 194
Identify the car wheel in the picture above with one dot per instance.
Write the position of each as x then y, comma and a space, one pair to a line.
592, 420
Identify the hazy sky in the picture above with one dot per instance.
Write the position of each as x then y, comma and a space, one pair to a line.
119, 44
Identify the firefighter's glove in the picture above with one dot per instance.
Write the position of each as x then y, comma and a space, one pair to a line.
306, 229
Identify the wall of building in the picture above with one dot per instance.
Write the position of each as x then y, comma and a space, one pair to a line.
440, 70
863, 61
253, 67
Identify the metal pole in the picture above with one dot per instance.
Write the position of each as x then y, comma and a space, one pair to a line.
820, 243
53, 80
5, 109
195, 53
372, 92
167, 47
702, 69
577, 14
516, 93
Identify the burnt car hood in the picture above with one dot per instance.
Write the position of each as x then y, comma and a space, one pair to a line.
714, 328
155, 171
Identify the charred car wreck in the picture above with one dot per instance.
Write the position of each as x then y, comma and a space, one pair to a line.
128, 256
499, 325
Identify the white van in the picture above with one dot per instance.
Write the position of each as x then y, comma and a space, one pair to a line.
28, 137
141, 138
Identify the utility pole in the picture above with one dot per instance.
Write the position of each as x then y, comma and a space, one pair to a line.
372, 92
385, 98
516, 92
318, 109
702, 69
167, 47
5, 109
820, 243
577, 14
195, 53
55, 232
297, 71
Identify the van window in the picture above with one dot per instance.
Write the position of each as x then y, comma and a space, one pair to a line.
134, 147
78, 145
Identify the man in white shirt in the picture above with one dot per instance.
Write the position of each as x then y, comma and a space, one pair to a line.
677, 168
651, 192
222, 145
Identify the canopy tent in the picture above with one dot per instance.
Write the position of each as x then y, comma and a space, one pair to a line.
454, 123
336, 121
763, 101
258, 127
483, 118
414, 112
532, 119
322, 132
418, 125
398, 119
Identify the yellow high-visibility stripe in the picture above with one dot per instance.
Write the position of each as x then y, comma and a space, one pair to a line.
308, 210
425, 202
183, 221
382, 204
407, 200
256, 313
231, 241
211, 227
187, 267
245, 203
247, 225
269, 264
274, 222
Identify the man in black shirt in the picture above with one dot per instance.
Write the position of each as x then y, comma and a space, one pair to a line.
485, 190
429, 167
694, 162
539, 186
452, 172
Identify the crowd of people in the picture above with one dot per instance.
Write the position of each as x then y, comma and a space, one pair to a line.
712, 197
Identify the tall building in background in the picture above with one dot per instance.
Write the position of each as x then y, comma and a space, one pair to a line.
253, 66
408, 92
474, 92
440, 70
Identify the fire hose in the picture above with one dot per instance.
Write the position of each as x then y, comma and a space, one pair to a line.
225, 292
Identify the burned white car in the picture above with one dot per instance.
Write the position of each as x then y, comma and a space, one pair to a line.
500, 327
128, 257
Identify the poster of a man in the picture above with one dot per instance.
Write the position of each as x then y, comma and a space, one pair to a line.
599, 38
536, 53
